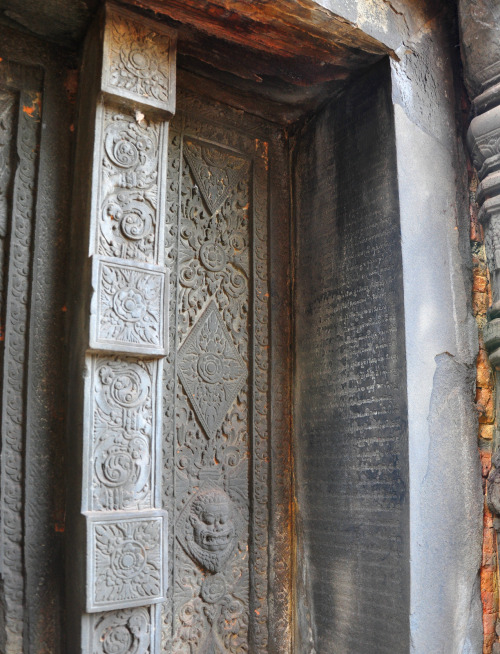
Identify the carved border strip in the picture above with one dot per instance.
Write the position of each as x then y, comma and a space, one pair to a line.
27, 84
260, 406
280, 582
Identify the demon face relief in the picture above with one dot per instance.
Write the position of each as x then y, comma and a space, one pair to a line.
210, 528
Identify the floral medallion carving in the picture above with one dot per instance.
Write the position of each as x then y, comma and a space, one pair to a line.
139, 60
208, 529
211, 369
123, 430
129, 313
127, 561
122, 632
129, 197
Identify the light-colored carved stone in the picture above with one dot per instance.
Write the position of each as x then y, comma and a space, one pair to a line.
121, 184
139, 60
129, 202
127, 556
121, 465
128, 631
127, 307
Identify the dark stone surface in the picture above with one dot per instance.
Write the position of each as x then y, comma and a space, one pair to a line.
480, 43
35, 294
351, 431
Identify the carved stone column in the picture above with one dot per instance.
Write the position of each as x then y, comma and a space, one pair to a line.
480, 44
480, 34
119, 306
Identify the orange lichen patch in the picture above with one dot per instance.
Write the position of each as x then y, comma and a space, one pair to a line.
33, 110
486, 432
485, 405
485, 458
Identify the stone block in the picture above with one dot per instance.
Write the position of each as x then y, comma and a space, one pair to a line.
127, 312
139, 58
126, 559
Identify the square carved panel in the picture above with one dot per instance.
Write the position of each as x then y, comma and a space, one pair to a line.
126, 559
139, 60
127, 312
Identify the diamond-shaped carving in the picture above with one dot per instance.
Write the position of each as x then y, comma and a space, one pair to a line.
211, 369
215, 171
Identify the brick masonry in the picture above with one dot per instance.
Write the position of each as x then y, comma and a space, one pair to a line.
481, 300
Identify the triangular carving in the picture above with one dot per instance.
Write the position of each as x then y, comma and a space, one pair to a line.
216, 172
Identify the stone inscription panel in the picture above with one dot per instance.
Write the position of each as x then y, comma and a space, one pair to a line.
350, 384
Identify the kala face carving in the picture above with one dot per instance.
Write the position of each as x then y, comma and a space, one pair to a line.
211, 528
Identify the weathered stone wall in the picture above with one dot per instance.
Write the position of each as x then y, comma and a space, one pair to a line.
441, 342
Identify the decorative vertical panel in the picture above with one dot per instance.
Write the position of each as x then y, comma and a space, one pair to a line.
20, 107
128, 331
216, 423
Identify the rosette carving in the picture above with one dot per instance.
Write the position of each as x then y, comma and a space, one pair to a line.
140, 57
130, 307
127, 561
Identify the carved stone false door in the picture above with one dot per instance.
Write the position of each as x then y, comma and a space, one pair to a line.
229, 572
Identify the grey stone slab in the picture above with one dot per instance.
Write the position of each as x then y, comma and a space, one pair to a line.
351, 436
126, 559
127, 308
139, 61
